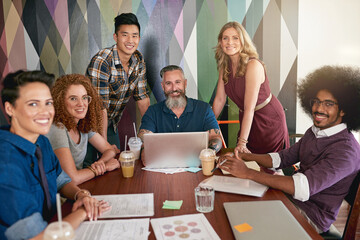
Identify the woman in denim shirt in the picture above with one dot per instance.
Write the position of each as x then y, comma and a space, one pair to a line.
25, 210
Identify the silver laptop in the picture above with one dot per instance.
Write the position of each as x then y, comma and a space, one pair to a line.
268, 219
174, 150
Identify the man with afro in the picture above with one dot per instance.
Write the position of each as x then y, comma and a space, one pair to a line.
328, 153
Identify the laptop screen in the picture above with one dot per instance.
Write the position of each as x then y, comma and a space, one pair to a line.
171, 150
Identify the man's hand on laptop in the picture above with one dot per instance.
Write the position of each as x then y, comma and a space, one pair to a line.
141, 134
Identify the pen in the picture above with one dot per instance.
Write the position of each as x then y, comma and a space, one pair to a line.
219, 165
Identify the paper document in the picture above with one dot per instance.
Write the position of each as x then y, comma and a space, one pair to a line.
192, 226
236, 185
134, 229
165, 170
128, 205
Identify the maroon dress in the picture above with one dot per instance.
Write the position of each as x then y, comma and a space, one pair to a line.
268, 131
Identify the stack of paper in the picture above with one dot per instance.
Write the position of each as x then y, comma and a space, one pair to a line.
113, 229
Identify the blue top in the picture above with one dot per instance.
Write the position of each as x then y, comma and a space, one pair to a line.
196, 117
21, 194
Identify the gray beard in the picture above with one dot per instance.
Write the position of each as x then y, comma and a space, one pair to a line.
178, 102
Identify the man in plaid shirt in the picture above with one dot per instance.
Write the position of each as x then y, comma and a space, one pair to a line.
119, 72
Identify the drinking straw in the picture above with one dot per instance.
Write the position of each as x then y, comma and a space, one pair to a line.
58, 207
135, 131
207, 140
125, 142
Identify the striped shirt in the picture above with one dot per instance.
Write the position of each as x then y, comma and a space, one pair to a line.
113, 84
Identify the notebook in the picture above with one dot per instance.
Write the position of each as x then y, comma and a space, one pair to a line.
236, 185
267, 220
174, 150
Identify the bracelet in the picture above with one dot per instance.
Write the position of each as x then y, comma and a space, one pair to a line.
243, 140
83, 191
93, 170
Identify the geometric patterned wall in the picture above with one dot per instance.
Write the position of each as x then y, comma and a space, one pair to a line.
61, 36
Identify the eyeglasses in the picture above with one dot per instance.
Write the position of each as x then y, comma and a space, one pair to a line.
326, 103
85, 99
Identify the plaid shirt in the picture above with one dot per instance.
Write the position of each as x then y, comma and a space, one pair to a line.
113, 84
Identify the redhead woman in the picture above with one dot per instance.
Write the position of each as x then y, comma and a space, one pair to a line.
30, 173
78, 122
243, 78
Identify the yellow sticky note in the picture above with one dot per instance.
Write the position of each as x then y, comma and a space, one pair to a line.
243, 227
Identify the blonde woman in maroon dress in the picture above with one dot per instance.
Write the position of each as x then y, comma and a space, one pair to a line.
243, 78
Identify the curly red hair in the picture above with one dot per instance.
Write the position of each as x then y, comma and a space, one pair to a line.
93, 118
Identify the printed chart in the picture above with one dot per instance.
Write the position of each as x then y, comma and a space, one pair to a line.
192, 226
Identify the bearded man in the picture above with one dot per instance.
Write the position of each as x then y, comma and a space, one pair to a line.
179, 113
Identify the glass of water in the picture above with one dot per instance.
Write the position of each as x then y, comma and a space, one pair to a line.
204, 197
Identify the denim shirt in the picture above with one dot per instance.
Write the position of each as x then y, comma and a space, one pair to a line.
21, 194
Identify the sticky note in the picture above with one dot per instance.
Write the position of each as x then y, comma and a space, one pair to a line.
172, 204
193, 169
243, 227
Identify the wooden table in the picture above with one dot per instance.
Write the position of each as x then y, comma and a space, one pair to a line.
180, 186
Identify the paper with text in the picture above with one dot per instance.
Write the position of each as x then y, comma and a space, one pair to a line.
128, 205
132, 229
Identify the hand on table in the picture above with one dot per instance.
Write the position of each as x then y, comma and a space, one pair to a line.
112, 164
92, 207
240, 148
99, 167
115, 148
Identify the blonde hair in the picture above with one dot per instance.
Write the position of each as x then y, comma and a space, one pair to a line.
248, 51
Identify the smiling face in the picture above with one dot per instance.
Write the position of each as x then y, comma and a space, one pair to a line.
127, 40
326, 116
230, 42
76, 102
33, 111
174, 84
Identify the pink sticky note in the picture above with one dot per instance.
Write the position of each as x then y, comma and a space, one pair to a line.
243, 227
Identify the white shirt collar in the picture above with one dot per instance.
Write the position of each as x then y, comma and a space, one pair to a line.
328, 131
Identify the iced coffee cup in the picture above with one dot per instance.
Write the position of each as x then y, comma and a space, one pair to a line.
59, 231
127, 161
207, 157
135, 146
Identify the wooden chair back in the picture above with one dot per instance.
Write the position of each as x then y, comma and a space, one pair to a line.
353, 198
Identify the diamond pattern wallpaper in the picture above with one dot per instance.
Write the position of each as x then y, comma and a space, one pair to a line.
61, 36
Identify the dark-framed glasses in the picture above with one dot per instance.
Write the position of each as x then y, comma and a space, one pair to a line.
85, 99
326, 103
